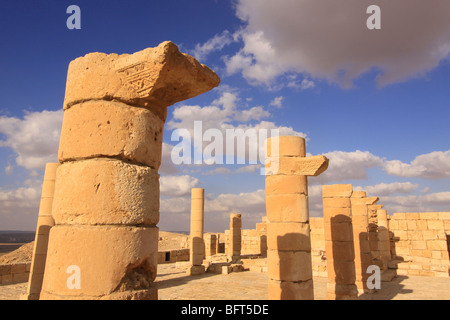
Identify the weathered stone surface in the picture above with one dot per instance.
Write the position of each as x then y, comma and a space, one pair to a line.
106, 191
288, 236
111, 129
290, 146
337, 190
287, 208
286, 184
289, 265
309, 166
287, 290
152, 78
110, 259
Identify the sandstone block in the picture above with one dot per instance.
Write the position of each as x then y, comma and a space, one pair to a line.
337, 190
111, 129
105, 191
429, 215
290, 146
287, 208
287, 290
289, 265
110, 259
309, 166
286, 184
288, 236
359, 194
342, 231
435, 225
340, 250
341, 272
336, 203
153, 77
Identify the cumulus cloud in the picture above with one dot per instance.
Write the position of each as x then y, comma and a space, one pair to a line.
222, 119
177, 185
19, 207
277, 102
439, 201
383, 189
216, 43
330, 40
167, 165
434, 165
34, 139
348, 166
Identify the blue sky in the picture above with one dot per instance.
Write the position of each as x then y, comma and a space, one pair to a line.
376, 102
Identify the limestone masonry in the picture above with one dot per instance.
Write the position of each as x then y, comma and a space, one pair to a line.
97, 236
106, 200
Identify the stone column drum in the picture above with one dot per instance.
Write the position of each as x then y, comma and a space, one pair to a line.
339, 245
288, 232
106, 203
197, 246
384, 243
360, 224
44, 223
234, 250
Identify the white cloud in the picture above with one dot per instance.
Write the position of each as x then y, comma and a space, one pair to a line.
167, 165
348, 166
19, 207
35, 138
216, 43
434, 165
9, 169
177, 185
248, 169
330, 40
225, 113
219, 170
305, 84
432, 202
277, 102
383, 189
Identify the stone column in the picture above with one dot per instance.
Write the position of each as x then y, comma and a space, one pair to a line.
210, 244
235, 237
197, 246
44, 223
339, 245
288, 231
106, 206
360, 222
372, 210
384, 244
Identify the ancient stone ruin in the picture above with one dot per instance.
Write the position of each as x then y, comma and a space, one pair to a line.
288, 232
97, 234
106, 201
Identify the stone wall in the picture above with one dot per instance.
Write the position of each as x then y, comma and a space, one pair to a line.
170, 256
420, 243
318, 256
254, 242
14, 273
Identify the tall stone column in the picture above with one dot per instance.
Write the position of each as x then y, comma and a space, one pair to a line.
373, 233
106, 206
339, 245
384, 244
360, 222
235, 237
197, 246
288, 231
44, 223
